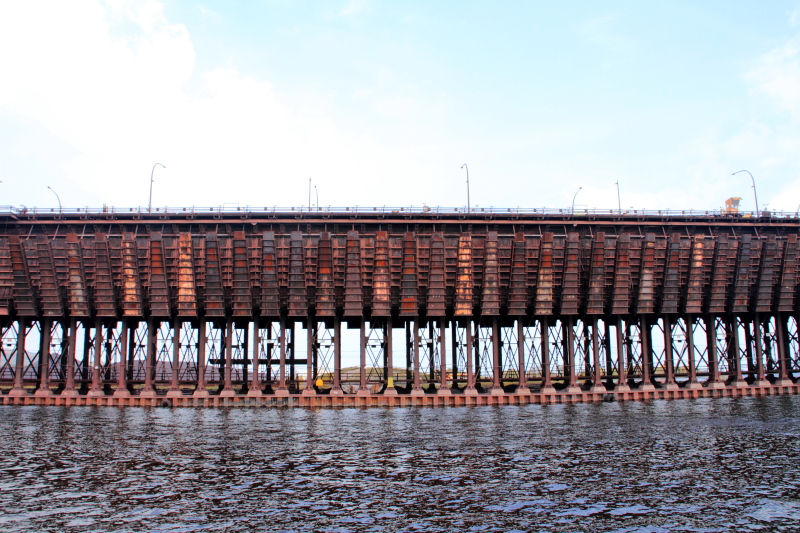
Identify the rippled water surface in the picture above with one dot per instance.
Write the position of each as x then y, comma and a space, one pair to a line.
704, 465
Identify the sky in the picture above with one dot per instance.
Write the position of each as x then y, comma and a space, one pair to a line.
380, 103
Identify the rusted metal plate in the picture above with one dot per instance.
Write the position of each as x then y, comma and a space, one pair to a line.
517, 284
326, 298
464, 283
544, 285
571, 284
490, 289
787, 290
621, 291
408, 283
187, 293
381, 282
353, 296
436, 304
105, 300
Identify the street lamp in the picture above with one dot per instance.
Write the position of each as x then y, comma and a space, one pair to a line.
317, 193
573, 200
754, 186
464, 166
619, 202
150, 204
57, 197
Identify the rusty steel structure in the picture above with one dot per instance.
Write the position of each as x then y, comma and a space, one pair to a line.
249, 307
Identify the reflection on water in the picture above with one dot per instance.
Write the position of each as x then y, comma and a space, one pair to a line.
704, 465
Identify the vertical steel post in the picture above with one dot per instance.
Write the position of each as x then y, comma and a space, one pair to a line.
122, 377
444, 390
18, 389
690, 351
713, 357
569, 364
44, 360
336, 386
783, 352
645, 342
470, 389
609, 360
390, 390
522, 386
362, 359
669, 355
547, 385
69, 374
416, 389
597, 385
174, 385
761, 379
149, 391
622, 349
311, 342
282, 389
454, 354
227, 380
255, 381
736, 355
497, 366
201, 391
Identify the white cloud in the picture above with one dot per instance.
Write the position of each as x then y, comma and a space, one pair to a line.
112, 84
777, 74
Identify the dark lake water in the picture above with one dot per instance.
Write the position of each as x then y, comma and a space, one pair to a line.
703, 465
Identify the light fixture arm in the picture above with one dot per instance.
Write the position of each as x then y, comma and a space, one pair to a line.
57, 197
755, 194
572, 210
150, 203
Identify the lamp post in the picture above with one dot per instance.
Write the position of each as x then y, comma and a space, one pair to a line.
754, 186
619, 203
316, 192
57, 198
573, 200
150, 203
464, 166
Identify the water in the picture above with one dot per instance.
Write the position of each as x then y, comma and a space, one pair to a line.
704, 465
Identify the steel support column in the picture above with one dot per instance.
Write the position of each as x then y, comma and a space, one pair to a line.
416, 389
470, 389
227, 379
122, 376
148, 391
783, 352
18, 389
622, 349
597, 385
522, 378
569, 365
174, 385
311, 343
547, 385
69, 374
390, 390
282, 389
362, 359
669, 354
646, 355
444, 390
336, 386
44, 360
713, 356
